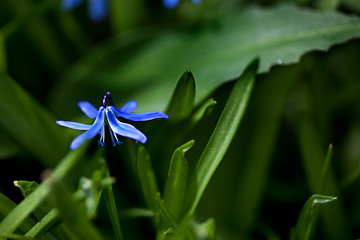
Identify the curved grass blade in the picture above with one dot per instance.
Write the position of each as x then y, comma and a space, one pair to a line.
6, 206
313, 161
308, 215
221, 137
14, 219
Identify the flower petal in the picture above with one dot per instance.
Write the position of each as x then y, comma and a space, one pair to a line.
97, 9
67, 5
129, 107
74, 125
92, 132
138, 116
124, 129
170, 4
88, 109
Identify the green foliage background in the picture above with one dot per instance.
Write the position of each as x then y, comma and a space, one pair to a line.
263, 136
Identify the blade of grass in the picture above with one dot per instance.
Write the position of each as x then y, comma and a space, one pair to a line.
326, 170
9, 224
30, 124
3, 62
221, 137
308, 215
176, 181
313, 162
111, 207
166, 213
16, 236
146, 177
46, 223
175, 186
6, 206
269, 102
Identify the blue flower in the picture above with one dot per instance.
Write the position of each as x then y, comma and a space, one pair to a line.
97, 8
170, 4
115, 126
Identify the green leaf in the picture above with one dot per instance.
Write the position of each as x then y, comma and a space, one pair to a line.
271, 97
73, 215
30, 124
3, 62
111, 206
16, 236
166, 213
136, 213
318, 177
326, 170
50, 220
26, 187
14, 219
6, 206
176, 182
182, 100
216, 54
308, 215
146, 177
221, 137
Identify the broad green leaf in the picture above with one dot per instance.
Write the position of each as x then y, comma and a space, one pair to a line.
308, 215
12, 221
73, 215
146, 177
30, 124
221, 137
182, 100
216, 54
